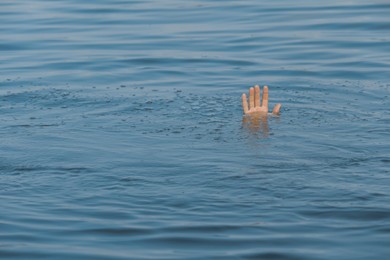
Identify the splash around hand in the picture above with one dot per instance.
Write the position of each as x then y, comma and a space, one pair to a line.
255, 107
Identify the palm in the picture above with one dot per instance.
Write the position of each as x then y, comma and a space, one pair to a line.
254, 102
258, 109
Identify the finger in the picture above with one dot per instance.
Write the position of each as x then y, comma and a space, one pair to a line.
276, 109
244, 104
257, 96
251, 98
265, 97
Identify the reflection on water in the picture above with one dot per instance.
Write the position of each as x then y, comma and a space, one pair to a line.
256, 124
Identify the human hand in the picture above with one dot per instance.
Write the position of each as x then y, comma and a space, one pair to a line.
254, 102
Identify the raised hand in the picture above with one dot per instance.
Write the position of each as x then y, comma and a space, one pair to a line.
255, 107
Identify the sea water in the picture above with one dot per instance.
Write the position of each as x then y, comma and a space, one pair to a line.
122, 136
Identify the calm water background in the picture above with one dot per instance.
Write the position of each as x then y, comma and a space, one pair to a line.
121, 133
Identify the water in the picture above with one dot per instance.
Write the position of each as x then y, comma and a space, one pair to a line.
122, 134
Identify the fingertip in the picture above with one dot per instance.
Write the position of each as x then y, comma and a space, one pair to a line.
276, 110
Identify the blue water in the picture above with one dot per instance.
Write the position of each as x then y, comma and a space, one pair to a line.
122, 136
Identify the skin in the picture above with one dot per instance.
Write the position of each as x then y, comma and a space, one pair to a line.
255, 107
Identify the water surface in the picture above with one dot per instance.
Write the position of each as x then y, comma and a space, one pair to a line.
122, 137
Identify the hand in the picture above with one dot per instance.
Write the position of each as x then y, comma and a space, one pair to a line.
254, 102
